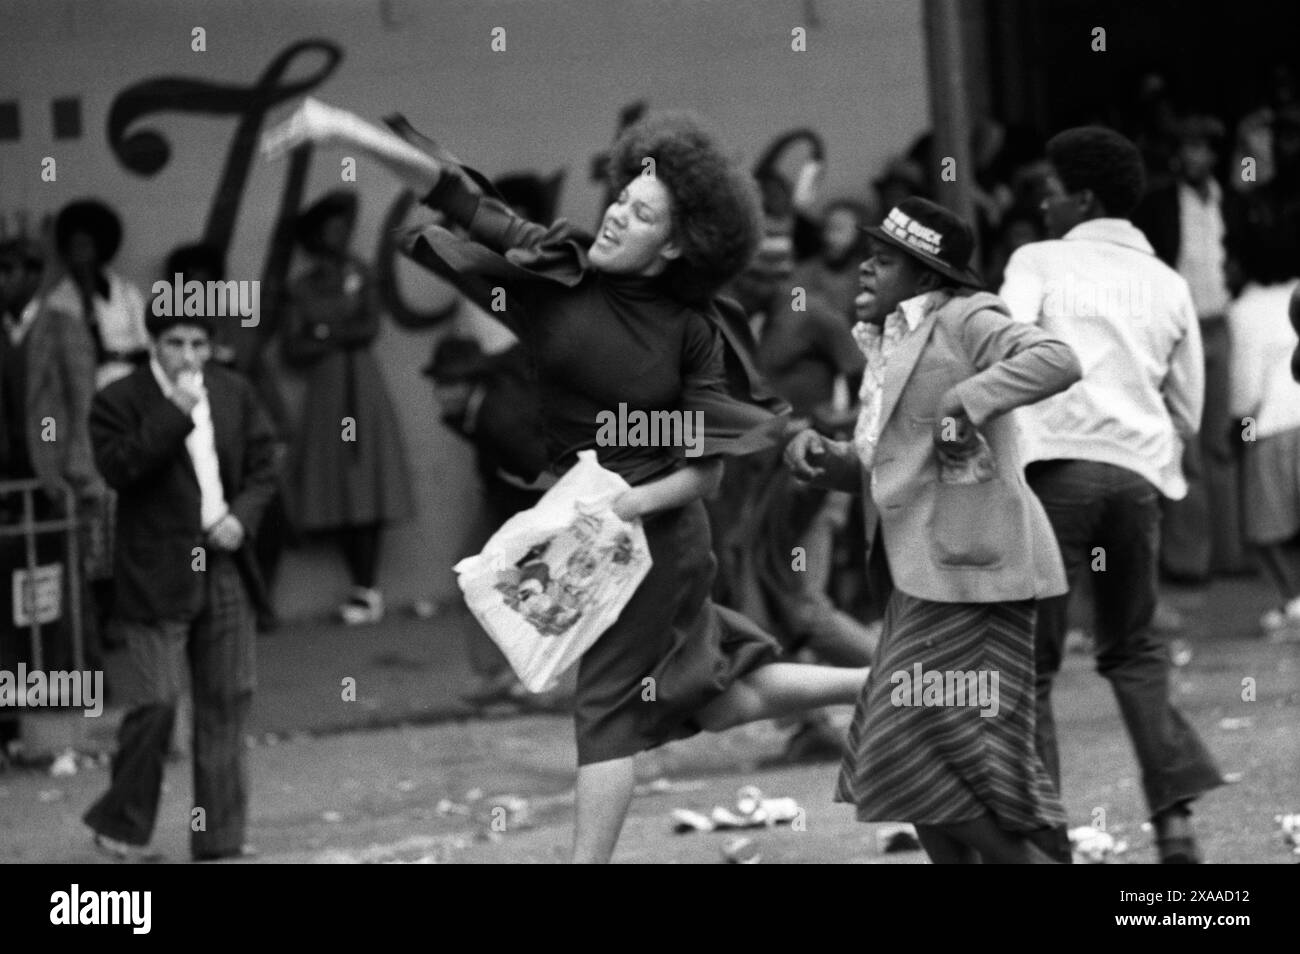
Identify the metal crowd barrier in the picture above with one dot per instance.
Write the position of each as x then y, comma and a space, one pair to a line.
31, 591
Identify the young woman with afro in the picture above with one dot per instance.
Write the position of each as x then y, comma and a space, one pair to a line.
627, 317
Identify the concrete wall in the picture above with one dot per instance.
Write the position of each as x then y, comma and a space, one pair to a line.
549, 101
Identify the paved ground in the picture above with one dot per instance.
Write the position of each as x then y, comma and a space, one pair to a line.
402, 774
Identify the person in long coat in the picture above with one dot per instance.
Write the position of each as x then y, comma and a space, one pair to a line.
348, 467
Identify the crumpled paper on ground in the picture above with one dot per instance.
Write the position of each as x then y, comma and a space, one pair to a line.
1092, 846
752, 811
1290, 825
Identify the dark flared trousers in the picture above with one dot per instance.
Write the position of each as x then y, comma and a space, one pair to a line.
1107, 522
218, 646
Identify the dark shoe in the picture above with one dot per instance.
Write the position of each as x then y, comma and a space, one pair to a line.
1175, 840
1178, 851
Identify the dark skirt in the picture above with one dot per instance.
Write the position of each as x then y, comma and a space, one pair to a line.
670, 653
943, 764
354, 482
1272, 488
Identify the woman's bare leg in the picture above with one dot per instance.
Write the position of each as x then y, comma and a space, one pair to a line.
996, 845
944, 849
604, 789
604, 793
781, 689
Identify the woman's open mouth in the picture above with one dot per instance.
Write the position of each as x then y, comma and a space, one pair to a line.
863, 303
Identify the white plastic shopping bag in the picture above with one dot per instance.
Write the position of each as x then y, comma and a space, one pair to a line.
555, 577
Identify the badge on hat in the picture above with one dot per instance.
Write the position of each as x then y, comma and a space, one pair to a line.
934, 235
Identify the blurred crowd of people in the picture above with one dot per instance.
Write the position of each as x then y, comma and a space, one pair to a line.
1222, 208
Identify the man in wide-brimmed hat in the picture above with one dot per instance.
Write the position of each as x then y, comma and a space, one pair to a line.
88, 235
959, 550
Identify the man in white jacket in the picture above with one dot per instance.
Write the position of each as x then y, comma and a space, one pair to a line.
1100, 454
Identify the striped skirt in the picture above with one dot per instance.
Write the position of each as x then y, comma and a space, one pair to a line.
944, 729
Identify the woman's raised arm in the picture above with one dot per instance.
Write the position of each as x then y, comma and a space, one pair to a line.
440, 186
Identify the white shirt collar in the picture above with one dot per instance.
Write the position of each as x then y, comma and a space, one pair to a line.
1116, 231
1214, 194
913, 310
917, 307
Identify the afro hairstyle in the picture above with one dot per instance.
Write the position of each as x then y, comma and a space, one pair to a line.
1099, 159
199, 257
715, 207
94, 218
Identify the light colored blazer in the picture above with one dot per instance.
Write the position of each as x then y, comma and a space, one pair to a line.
960, 543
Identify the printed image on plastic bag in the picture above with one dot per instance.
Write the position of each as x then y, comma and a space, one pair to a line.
555, 580
555, 577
